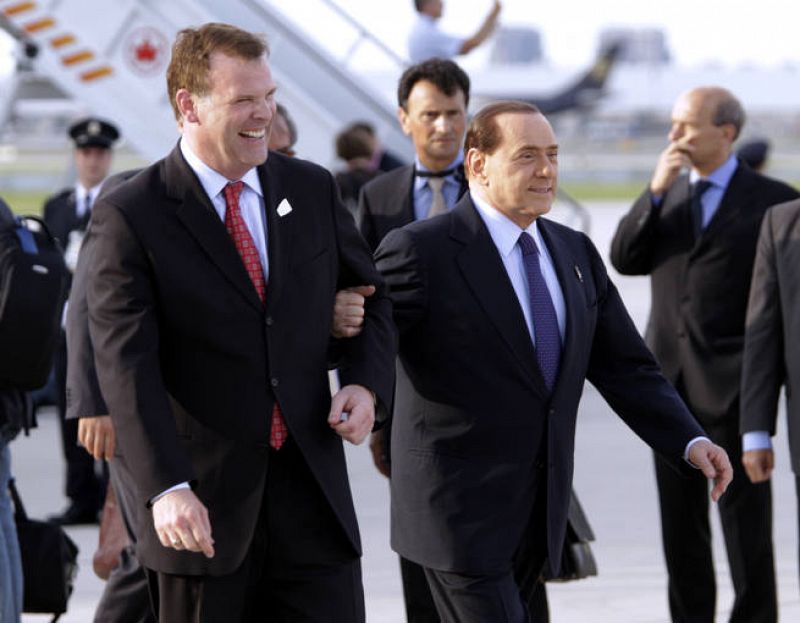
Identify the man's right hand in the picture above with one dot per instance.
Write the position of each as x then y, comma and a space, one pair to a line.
96, 434
181, 522
759, 464
348, 311
674, 158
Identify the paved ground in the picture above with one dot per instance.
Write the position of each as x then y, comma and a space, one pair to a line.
613, 477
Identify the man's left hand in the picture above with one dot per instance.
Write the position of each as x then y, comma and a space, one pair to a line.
713, 461
96, 434
359, 405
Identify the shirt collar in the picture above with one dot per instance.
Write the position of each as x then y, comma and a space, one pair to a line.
721, 177
212, 181
504, 232
419, 182
81, 192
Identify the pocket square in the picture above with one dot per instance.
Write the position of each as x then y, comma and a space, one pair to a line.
284, 208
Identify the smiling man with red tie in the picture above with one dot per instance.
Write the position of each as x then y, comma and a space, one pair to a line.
210, 304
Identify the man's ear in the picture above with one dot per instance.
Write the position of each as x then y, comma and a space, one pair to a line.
475, 163
402, 116
186, 106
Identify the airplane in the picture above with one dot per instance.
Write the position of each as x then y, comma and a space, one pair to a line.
580, 95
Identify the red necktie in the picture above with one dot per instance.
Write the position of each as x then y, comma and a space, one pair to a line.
243, 241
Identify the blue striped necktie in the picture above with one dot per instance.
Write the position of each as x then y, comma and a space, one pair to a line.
545, 322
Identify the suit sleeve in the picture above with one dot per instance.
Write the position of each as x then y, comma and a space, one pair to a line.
365, 220
625, 372
125, 333
398, 261
763, 370
367, 359
84, 398
632, 245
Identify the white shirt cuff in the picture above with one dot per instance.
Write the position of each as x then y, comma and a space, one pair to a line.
689, 447
183, 485
756, 440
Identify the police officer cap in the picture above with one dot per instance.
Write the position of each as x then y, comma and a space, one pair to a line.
93, 132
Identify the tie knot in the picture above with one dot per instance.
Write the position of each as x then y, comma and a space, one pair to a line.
528, 244
700, 187
232, 191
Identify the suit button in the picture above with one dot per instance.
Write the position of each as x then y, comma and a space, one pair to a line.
273, 381
552, 412
269, 321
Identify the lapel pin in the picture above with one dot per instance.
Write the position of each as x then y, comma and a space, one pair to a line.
284, 208
578, 273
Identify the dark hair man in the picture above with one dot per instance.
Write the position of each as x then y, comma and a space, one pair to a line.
695, 235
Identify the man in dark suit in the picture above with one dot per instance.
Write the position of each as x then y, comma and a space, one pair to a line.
67, 215
496, 341
432, 99
125, 595
695, 235
210, 297
771, 357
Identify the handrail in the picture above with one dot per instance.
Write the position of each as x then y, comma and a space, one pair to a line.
364, 34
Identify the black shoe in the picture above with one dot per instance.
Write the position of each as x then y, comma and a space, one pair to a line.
75, 515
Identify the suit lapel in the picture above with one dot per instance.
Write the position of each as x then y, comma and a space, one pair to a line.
197, 214
736, 195
485, 274
405, 198
570, 279
279, 228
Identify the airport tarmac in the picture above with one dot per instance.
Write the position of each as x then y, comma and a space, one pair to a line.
613, 477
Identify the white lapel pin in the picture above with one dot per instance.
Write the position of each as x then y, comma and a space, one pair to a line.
578, 273
284, 208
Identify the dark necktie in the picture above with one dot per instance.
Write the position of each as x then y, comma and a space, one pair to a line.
545, 322
698, 190
243, 241
87, 211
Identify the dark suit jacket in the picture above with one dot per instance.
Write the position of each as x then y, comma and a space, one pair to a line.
771, 354
61, 217
472, 410
191, 364
387, 202
84, 398
699, 287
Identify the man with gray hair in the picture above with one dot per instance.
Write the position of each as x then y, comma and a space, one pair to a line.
694, 231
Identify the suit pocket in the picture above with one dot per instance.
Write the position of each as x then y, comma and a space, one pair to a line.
307, 260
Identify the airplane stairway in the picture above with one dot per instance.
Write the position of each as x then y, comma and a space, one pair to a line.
112, 56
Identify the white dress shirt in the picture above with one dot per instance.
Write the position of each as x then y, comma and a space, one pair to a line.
251, 201
80, 197
505, 235
426, 41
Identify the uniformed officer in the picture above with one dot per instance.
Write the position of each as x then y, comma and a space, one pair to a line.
67, 215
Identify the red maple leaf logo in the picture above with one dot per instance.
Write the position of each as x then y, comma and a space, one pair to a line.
146, 52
